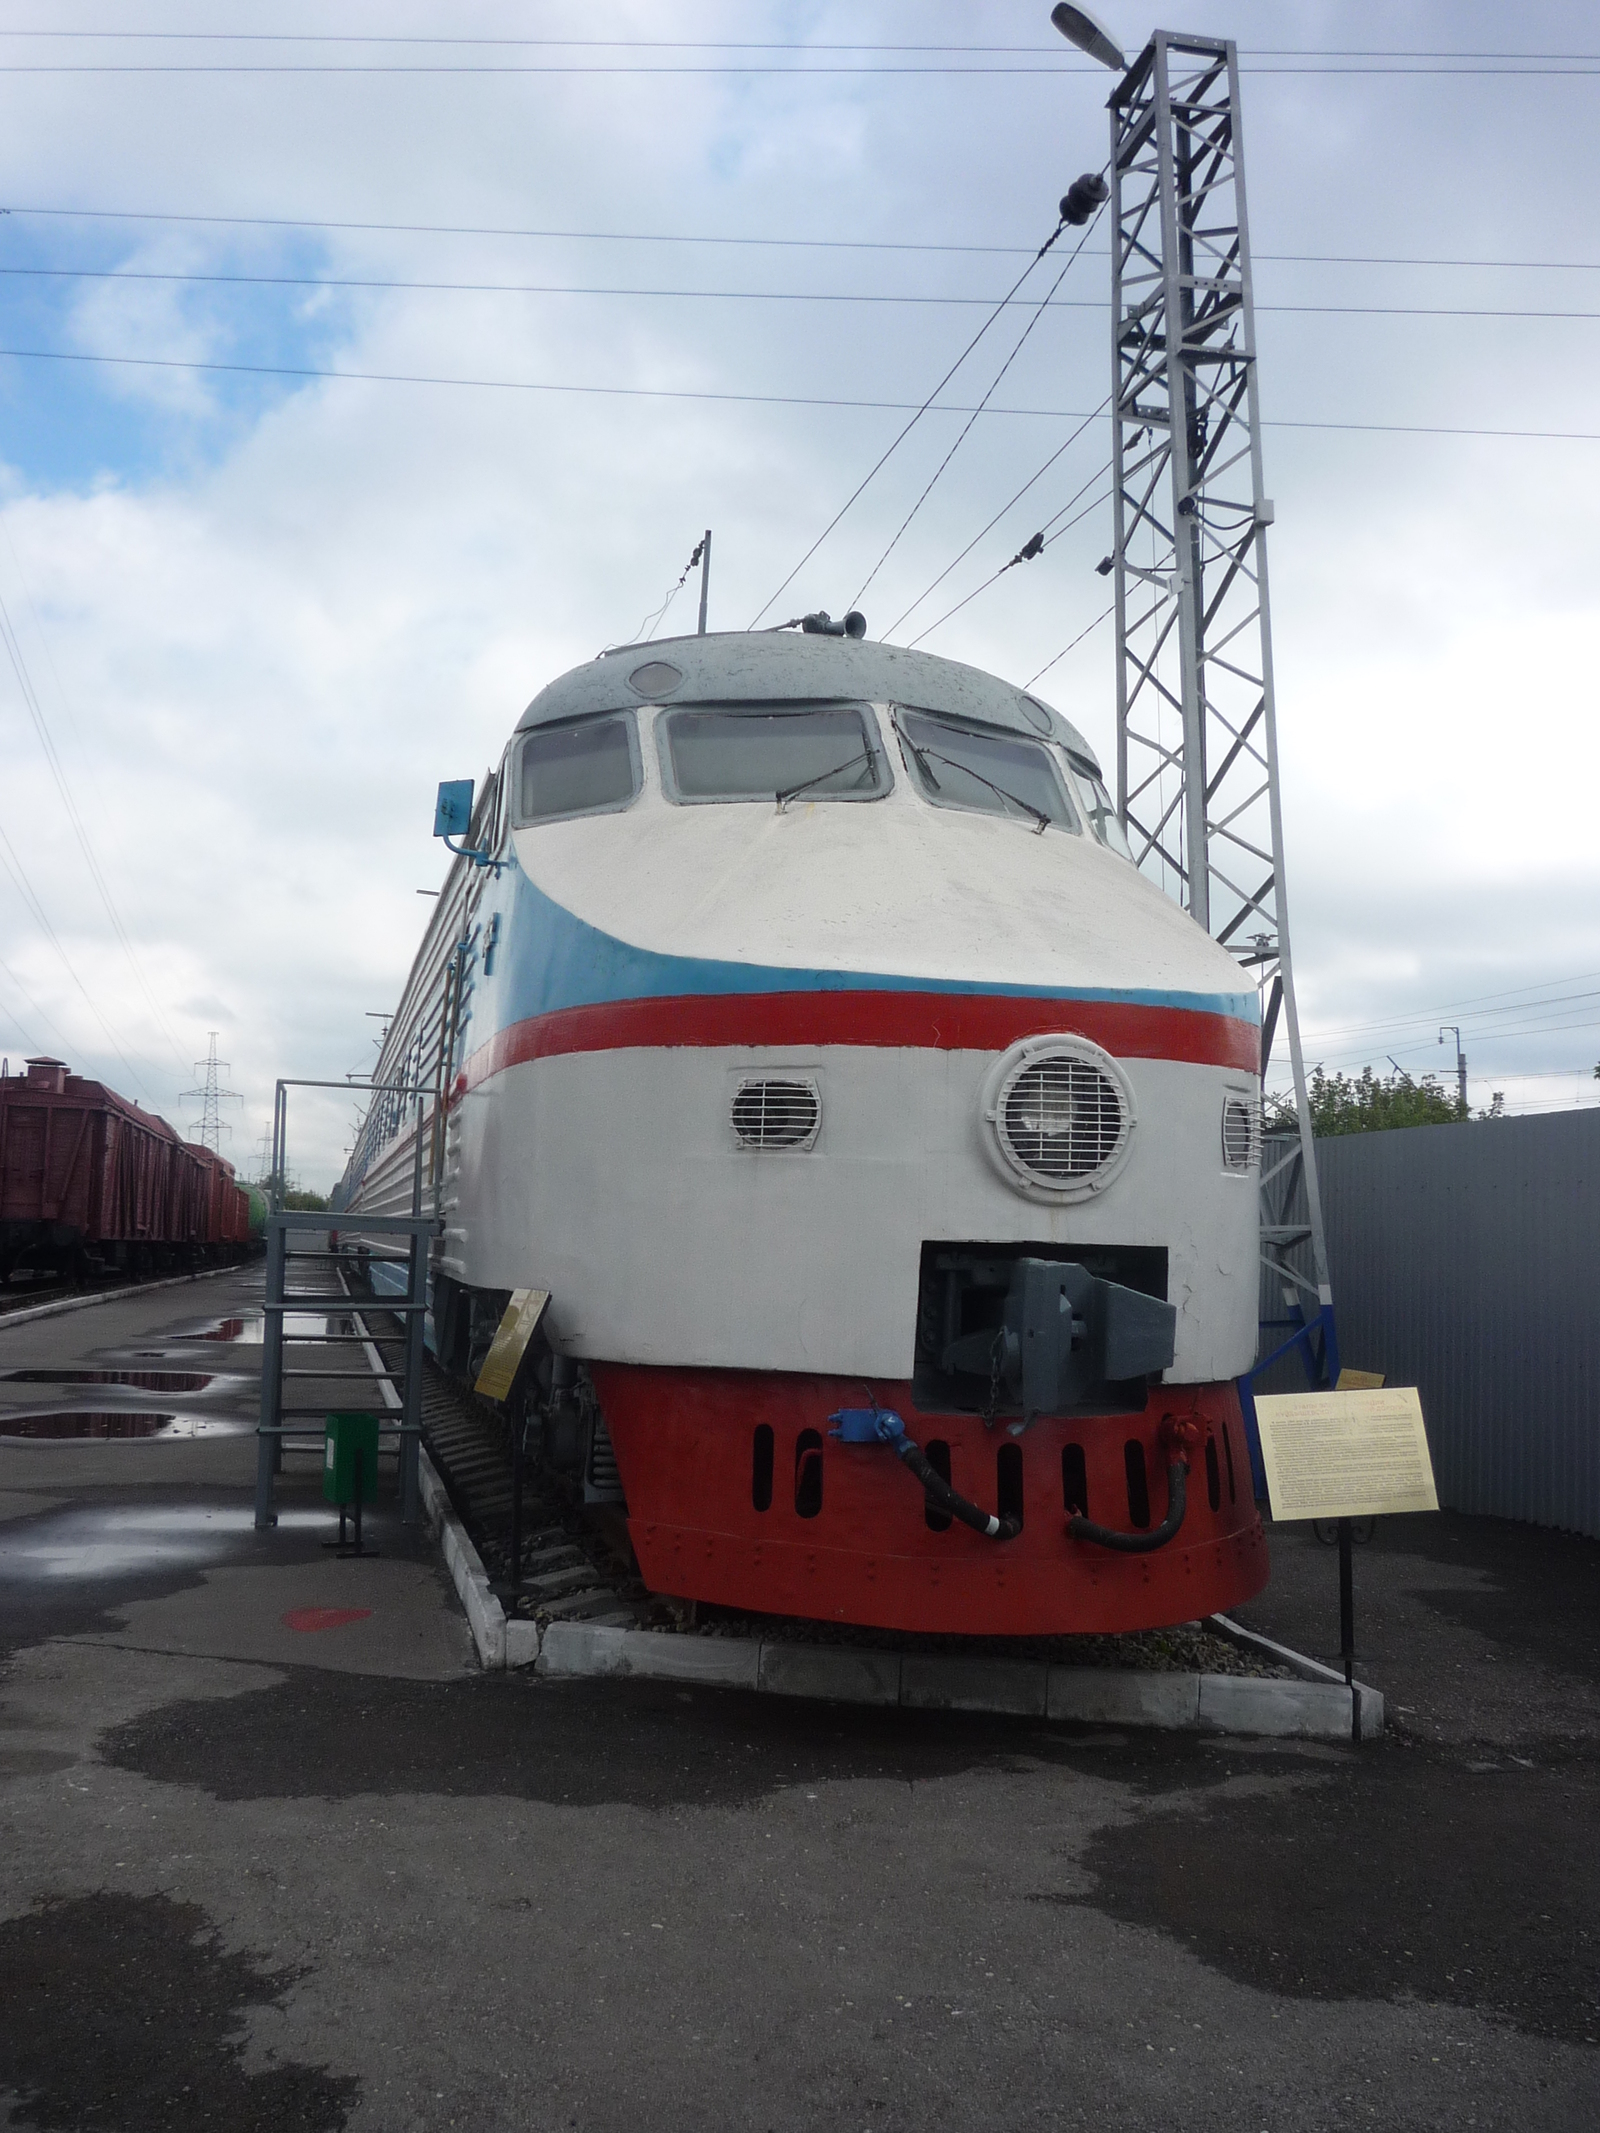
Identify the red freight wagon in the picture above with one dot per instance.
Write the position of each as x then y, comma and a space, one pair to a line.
225, 1217
89, 1179
189, 1194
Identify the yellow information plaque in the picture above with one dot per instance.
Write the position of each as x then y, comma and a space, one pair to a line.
510, 1343
1345, 1454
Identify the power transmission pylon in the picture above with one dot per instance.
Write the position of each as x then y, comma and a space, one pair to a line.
211, 1096
1197, 746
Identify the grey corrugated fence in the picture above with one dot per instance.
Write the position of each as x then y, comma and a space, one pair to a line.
1465, 1260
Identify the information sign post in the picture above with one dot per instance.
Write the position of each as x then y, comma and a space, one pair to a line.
1343, 1456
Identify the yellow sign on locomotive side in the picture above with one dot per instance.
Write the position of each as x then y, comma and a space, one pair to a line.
510, 1343
1346, 1454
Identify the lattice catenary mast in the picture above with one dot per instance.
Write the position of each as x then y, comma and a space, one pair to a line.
211, 1096
1197, 751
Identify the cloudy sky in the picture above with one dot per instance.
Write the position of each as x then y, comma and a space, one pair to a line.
351, 390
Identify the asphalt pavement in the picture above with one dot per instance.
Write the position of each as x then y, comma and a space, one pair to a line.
274, 1854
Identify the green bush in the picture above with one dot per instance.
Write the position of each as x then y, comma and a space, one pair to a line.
1366, 1103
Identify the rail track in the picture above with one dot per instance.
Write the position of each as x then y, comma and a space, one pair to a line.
576, 1563
15, 1300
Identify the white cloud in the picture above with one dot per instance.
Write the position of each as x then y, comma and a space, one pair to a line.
275, 632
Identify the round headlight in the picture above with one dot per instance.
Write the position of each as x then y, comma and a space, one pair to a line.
1058, 1113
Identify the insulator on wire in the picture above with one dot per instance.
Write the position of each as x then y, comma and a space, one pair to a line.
1083, 196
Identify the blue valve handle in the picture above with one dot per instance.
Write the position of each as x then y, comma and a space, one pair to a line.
877, 1425
866, 1425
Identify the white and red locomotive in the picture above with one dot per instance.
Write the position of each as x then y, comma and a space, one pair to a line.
816, 1046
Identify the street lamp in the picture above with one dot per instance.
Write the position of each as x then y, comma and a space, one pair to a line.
1079, 27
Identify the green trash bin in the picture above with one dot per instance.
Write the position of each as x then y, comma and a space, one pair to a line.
348, 1435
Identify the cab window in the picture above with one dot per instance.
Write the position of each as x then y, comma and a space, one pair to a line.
759, 752
1102, 814
587, 766
985, 771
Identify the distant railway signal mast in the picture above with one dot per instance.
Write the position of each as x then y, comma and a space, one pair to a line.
1197, 748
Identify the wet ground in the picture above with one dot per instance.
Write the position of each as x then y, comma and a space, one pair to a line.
275, 1855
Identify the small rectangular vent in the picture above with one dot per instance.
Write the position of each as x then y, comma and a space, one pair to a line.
602, 1480
1241, 1131
776, 1114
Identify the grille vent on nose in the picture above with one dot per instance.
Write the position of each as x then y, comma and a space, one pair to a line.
1241, 1132
1062, 1119
776, 1114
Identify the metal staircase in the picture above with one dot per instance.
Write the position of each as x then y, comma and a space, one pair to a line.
316, 1340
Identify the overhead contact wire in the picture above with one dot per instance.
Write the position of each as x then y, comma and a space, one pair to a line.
16, 1020
1035, 545
80, 831
1000, 514
721, 399
911, 425
814, 244
1103, 616
19, 876
1521, 313
961, 437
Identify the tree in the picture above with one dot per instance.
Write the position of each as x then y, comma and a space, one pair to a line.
1366, 1103
290, 1194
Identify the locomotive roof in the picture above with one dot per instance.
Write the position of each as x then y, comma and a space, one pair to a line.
740, 665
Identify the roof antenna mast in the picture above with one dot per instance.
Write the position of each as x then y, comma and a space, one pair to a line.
705, 578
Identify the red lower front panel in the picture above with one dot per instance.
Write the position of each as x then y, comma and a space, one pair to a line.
736, 1494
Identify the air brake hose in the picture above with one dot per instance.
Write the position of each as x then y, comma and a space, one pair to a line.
877, 1425
1084, 1529
940, 1494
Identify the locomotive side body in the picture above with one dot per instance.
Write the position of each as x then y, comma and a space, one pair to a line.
774, 1094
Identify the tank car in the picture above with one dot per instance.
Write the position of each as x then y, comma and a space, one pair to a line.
887, 1143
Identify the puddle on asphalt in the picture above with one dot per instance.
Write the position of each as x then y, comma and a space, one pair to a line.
228, 1329
178, 1340
107, 1425
95, 1966
310, 1325
95, 1543
146, 1380
244, 1332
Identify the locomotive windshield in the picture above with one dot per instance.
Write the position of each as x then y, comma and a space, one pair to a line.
1102, 814
756, 752
588, 767
985, 771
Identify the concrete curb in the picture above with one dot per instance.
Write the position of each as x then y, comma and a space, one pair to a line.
485, 1615
106, 1296
1310, 1670
1315, 1706
572, 1648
